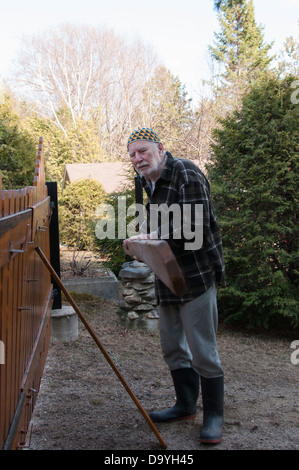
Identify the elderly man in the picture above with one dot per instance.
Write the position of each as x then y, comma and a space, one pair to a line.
188, 324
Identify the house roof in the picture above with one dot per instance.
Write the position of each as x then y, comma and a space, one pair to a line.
111, 175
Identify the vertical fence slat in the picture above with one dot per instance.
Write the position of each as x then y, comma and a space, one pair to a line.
25, 302
5, 203
3, 299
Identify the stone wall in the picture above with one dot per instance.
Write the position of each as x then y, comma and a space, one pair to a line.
137, 292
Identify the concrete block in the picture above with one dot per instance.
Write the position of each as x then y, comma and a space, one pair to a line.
64, 324
106, 286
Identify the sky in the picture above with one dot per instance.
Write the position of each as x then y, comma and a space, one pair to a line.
179, 31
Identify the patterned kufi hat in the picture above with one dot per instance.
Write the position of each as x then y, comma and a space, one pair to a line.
143, 134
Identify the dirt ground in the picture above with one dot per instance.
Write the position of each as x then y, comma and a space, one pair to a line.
82, 405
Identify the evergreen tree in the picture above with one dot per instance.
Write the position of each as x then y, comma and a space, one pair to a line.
56, 146
239, 48
80, 145
255, 180
17, 149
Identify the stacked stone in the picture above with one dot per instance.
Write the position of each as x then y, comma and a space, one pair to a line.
137, 297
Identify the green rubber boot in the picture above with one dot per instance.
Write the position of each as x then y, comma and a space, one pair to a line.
212, 399
186, 384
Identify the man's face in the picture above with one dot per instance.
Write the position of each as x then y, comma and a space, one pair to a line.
147, 158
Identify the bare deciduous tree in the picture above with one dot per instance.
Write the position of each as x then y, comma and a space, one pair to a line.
79, 71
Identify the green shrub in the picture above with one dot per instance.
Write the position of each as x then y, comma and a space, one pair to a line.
77, 218
112, 248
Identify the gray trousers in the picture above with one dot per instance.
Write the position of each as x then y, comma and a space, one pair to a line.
188, 335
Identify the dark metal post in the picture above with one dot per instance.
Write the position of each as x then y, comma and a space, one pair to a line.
138, 190
54, 243
138, 195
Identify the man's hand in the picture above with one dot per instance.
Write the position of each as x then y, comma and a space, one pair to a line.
142, 236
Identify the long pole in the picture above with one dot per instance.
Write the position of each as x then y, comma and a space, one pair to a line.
101, 347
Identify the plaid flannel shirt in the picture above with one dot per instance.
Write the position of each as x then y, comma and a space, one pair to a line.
182, 183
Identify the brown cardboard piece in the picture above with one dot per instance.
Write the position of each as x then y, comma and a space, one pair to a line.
158, 256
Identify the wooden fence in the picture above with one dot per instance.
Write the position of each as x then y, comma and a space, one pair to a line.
25, 303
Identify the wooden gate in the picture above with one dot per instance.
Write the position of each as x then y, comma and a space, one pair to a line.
25, 303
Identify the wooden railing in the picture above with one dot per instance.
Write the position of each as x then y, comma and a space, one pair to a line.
25, 303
